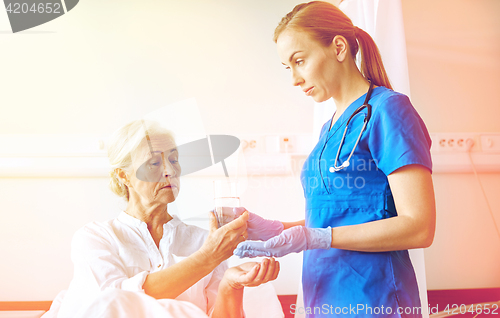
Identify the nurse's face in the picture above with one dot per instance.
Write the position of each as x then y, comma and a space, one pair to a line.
313, 66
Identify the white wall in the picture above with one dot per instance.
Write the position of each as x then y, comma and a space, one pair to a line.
466, 248
39, 217
453, 49
104, 64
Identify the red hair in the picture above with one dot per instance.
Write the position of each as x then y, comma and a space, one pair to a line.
323, 21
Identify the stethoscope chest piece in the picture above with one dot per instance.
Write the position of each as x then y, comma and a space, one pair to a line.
366, 105
345, 164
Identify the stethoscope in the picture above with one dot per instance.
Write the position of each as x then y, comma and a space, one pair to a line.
345, 164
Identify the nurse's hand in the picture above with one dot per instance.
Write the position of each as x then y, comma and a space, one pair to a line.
259, 228
293, 240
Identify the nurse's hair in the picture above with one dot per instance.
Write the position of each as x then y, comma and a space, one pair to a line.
323, 21
123, 145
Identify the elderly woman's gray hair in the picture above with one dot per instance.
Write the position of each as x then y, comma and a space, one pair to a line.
122, 146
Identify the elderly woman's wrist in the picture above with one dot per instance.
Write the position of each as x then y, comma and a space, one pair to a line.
206, 258
229, 285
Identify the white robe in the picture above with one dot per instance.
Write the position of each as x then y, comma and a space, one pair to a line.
112, 259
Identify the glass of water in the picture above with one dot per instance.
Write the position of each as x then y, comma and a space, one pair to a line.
225, 199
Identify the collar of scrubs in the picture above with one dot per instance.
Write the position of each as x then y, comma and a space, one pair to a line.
349, 111
134, 222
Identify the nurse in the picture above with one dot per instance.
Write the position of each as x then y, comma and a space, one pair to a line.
360, 220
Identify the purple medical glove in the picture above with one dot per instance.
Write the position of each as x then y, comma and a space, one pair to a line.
294, 240
259, 228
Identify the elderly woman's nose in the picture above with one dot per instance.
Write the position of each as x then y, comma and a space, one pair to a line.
169, 168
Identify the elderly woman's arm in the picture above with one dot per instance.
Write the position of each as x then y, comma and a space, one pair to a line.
229, 301
174, 280
219, 245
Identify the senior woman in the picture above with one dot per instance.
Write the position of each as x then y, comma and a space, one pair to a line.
136, 261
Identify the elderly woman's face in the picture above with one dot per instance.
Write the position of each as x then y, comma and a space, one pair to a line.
156, 170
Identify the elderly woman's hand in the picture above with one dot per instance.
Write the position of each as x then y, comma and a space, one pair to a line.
252, 274
221, 242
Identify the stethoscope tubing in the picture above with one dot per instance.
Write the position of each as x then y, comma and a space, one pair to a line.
345, 164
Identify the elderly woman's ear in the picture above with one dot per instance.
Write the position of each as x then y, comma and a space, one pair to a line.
123, 177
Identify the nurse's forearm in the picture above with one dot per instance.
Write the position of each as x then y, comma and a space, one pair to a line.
397, 233
288, 225
174, 280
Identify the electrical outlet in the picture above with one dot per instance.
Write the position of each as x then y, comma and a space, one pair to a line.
457, 142
249, 145
490, 143
287, 143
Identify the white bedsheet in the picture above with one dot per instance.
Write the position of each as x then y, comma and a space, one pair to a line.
127, 304
258, 302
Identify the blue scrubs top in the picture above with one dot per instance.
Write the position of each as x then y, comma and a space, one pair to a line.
342, 283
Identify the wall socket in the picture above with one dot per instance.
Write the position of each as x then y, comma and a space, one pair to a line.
490, 143
287, 144
249, 144
456, 142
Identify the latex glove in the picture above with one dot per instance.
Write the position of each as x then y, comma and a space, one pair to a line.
294, 240
259, 228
